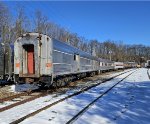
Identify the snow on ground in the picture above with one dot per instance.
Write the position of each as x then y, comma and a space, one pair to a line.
24, 109
62, 112
128, 102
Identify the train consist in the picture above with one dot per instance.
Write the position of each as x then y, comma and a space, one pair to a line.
43, 60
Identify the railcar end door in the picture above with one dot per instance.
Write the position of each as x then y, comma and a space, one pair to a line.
30, 59
29, 62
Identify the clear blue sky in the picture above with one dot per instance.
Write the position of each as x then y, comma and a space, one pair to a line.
126, 21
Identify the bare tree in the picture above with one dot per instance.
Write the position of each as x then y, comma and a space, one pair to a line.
4, 23
41, 22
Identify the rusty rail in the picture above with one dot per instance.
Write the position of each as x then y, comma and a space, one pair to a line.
32, 97
12, 97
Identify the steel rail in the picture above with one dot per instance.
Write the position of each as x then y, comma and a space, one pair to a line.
32, 97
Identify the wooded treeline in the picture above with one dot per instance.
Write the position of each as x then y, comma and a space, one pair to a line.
14, 25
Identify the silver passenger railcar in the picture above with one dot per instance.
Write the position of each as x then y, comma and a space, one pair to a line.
106, 65
41, 59
118, 65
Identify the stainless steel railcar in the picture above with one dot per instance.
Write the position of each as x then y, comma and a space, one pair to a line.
118, 65
6, 61
106, 65
39, 58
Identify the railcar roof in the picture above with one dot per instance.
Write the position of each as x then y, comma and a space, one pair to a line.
63, 46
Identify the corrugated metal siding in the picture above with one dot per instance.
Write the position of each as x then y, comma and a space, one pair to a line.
62, 62
86, 64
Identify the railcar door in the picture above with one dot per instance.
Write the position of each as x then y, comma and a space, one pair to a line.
30, 59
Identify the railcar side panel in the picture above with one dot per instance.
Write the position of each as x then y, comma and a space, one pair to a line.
86, 64
69, 59
119, 65
62, 62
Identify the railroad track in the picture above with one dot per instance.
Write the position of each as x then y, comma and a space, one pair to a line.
25, 97
95, 100
12, 97
69, 96
20, 98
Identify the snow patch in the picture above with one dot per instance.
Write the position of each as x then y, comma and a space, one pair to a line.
23, 87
